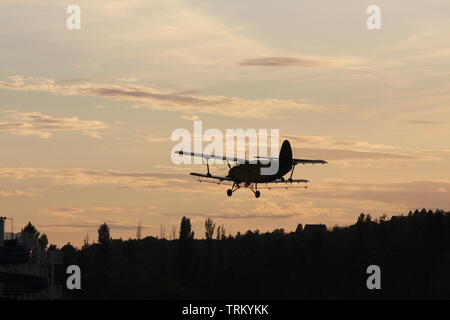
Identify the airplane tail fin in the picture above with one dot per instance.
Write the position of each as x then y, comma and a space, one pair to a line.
285, 158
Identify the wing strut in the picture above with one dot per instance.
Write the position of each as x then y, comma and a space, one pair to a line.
292, 171
207, 167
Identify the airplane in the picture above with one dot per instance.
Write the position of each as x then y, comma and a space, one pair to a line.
248, 175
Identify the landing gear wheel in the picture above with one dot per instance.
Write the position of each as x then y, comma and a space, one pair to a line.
257, 194
229, 192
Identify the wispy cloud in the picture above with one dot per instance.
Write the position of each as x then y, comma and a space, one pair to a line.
129, 79
157, 138
190, 117
345, 150
303, 62
85, 177
438, 151
43, 126
91, 225
423, 122
238, 216
12, 193
63, 212
329, 142
285, 62
415, 194
151, 98
346, 154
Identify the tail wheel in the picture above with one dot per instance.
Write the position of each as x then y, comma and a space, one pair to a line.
257, 194
229, 192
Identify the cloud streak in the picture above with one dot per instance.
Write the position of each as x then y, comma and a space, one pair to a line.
182, 182
341, 150
415, 194
151, 98
423, 122
13, 193
285, 62
43, 126
346, 155
302, 62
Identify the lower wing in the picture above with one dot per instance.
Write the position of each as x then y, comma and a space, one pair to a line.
202, 175
286, 181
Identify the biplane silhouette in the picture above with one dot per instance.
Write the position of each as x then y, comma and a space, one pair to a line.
246, 174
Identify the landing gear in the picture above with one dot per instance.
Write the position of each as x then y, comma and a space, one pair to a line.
234, 188
254, 189
252, 186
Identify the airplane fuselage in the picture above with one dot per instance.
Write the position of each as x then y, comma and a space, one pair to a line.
252, 173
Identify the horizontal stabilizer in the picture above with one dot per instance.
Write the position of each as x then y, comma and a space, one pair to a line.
305, 161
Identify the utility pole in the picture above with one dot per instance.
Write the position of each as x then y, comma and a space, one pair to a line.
139, 231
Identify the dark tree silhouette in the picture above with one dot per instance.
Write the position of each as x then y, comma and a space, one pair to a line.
43, 241
40, 240
70, 254
103, 234
413, 252
218, 233
30, 228
222, 232
186, 232
210, 226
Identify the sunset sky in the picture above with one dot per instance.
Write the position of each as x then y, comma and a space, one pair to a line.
86, 115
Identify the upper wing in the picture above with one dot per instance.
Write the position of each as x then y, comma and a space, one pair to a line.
305, 161
212, 156
211, 176
297, 161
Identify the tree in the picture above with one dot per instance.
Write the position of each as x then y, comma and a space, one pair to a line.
86, 241
218, 233
210, 226
299, 229
103, 234
30, 228
185, 248
43, 241
40, 240
223, 232
70, 254
361, 218
185, 229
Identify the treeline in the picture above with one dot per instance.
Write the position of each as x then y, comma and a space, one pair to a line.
413, 252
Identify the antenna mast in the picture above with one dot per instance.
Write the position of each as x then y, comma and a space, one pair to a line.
139, 231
